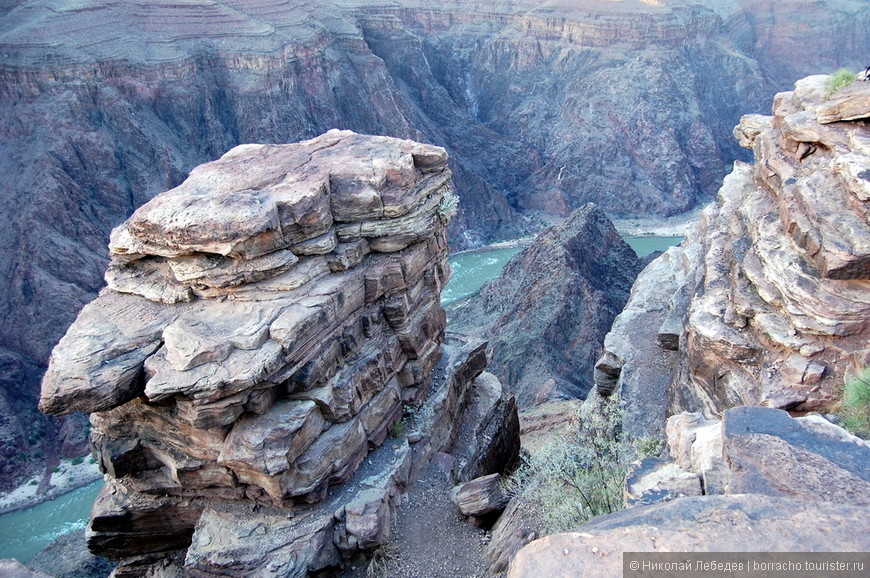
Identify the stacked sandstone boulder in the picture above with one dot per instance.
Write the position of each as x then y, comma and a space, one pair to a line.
265, 324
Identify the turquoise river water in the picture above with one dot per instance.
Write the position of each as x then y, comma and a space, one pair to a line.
26, 532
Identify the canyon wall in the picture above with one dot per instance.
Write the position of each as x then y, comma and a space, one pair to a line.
542, 109
734, 348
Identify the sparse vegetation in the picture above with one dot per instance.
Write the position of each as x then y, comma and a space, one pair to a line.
839, 80
448, 206
34, 483
55, 469
77, 461
377, 566
398, 429
856, 404
581, 477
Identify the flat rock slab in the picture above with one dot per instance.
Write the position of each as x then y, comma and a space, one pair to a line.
769, 452
747, 523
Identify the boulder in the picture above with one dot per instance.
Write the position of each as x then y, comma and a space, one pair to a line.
480, 496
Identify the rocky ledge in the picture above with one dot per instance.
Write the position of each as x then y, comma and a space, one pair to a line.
756, 481
768, 302
265, 325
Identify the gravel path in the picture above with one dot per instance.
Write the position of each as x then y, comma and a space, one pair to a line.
431, 538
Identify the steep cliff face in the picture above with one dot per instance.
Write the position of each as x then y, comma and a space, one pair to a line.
264, 327
764, 309
767, 304
542, 109
547, 313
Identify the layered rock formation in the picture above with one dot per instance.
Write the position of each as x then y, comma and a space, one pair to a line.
547, 313
765, 308
543, 108
769, 301
264, 326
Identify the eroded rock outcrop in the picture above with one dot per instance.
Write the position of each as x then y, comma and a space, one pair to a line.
265, 325
756, 481
763, 309
546, 315
769, 300
106, 104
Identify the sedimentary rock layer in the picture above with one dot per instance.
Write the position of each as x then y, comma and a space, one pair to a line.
264, 324
542, 107
770, 298
546, 315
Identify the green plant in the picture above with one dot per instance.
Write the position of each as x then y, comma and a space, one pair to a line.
33, 482
397, 430
54, 469
448, 206
582, 476
77, 461
839, 80
856, 404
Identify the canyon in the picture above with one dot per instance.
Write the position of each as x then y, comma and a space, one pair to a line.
541, 107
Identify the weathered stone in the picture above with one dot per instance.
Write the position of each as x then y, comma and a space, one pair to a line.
554, 302
98, 364
771, 453
697, 524
367, 519
633, 363
262, 447
655, 480
850, 103
489, 436
231, 542
285, 365
480, 496
330, 459
125, 523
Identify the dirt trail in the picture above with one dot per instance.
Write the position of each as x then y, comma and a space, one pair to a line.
431, 538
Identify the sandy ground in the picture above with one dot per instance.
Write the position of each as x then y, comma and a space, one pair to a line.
676, 226
57, 480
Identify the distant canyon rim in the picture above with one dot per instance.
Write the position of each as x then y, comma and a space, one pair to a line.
542, 107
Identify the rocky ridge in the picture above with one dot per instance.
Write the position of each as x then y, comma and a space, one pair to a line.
763, 309
547, 313
766, 303
265, 326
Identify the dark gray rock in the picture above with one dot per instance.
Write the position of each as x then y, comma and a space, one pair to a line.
547, 314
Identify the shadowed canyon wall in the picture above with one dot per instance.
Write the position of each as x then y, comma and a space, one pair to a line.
542, 108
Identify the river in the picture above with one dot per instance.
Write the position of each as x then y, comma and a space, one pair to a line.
472, 269
26, 532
